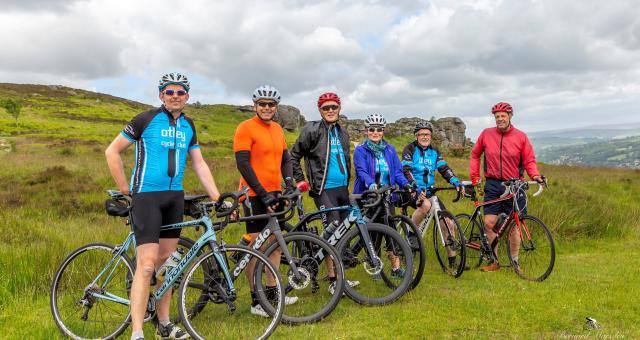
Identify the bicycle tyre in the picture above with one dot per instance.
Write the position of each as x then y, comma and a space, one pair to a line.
471, 231
303, 246
404, 225
351, 247
75, 274
537, 242
215, 319
452, 241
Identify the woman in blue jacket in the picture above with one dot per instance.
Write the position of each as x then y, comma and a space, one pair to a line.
377, 164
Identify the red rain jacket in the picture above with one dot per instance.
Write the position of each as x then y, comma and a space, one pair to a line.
506, 155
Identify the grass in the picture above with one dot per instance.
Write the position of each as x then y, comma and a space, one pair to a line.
52, 193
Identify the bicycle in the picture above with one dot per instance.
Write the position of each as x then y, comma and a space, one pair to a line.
90, 289
448, 239
532, 236
401, 223
302, 254
360, 249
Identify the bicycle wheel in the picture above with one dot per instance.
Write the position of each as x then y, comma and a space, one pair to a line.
315, 298
408, 230
448, 242
80, 288
536, 254
225, 313
389, 247
185, 244
471, 230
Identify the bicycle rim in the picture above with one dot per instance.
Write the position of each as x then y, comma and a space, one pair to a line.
451, 253
73, 297
471, 230
220, 314
535, 256
315, 302
388, 244
411, 234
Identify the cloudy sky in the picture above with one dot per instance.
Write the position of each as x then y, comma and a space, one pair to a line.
561, 63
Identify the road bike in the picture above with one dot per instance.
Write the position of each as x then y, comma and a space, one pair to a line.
89, 294
361, 246
529, 245
448, 238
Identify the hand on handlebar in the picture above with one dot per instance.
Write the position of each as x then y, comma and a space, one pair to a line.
271, 201
541, 179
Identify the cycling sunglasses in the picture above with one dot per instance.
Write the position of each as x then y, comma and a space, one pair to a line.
170, 93
267, 104
330, 107
376, 129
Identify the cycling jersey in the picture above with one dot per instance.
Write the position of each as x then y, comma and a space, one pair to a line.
266, 145
337, 171
506, 155
162, 144
419, 164
382, 170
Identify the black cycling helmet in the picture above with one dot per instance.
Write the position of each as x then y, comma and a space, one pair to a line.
423, 124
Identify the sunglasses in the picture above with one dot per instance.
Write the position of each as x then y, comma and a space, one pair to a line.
376, 129
267, 104
170, 93
330, 107
424, 135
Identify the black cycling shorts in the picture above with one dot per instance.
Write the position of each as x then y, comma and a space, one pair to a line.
254, 206
151, 210
493, 188
331, 198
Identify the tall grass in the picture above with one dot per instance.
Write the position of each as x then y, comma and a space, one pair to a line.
52, 192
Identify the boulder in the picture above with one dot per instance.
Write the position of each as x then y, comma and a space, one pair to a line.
289, 117
448, 132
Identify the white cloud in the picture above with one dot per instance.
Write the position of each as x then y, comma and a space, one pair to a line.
557, 62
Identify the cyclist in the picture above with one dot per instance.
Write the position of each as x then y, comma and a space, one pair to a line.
420, 160
325, 147
377, 164
163, 137
507, 153
263, 160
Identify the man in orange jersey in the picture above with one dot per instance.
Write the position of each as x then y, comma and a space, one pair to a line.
263, 161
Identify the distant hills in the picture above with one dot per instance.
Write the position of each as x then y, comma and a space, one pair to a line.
608, 145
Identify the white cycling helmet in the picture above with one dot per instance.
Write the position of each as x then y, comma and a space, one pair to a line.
375, 120
174, 78
266, 92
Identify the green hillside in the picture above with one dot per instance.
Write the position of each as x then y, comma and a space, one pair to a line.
623, 152
52, 191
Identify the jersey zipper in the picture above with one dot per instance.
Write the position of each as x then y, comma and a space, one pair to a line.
326, 160
501, 137
175, 132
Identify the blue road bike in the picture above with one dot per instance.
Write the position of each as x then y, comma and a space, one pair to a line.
369, 251
90, 290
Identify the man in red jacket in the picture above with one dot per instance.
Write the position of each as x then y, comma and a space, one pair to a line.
507, 154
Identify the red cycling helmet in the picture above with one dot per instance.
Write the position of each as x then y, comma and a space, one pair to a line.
502, 107
328, 97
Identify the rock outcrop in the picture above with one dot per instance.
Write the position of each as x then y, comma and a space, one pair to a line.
289, 117
448, 132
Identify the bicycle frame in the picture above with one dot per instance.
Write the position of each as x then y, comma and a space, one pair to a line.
208, 237
355, 215
513, 216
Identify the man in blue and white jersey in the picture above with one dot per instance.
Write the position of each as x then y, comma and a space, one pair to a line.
163, 137
420, 160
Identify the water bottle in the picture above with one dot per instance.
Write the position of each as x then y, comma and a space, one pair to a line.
501, 218
328, 231
244, 241
171, 262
